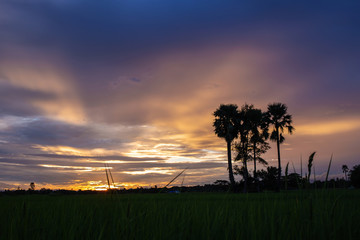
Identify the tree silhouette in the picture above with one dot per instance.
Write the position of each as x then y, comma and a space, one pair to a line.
243, 155
277, 116
345, 170
225, 126
259, 133
268, 177
355, 176
243, 146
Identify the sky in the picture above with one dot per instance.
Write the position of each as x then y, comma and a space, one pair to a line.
134, 84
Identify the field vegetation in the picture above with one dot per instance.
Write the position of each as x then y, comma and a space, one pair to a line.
300, 214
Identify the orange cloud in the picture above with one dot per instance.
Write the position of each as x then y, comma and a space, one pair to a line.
329, 127
64, 104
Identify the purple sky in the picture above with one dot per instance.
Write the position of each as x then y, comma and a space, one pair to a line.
134, 84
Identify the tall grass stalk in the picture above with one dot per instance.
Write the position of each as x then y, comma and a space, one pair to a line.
301, 169
107, 175
328, 170
297, 179
112, 179
286, 175
314, 173
174, 178
310, 162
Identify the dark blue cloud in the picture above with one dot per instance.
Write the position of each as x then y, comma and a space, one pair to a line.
99, 40
136, 80
43, 131
16, 101
127, 30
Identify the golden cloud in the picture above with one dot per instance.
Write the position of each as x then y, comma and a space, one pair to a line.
329, 127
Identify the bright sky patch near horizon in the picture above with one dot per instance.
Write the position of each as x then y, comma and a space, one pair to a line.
134, 84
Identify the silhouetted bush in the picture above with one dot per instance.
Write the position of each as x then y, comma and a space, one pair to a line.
355, 176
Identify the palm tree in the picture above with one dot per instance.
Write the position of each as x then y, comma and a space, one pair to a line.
225, 126
345, 170
243, 146
243, 155
277, 116
259, 133
32, 186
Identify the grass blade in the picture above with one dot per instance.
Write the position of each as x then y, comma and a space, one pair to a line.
112, 179
175, 177
328, 170
107, 176
297, 179
286, 175
301, 166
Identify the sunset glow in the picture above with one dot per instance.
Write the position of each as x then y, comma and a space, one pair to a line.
135, 86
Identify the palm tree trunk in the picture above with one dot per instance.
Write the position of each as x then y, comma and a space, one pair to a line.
255, 176
245, 170
231, 174
279, 162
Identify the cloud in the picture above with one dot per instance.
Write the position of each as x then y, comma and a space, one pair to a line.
49, 151
136, 80
38, 88
330, 128
20, 105
136, 83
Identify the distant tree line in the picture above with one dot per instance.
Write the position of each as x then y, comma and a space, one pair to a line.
267, 179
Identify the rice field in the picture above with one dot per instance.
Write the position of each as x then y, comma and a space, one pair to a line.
330, 214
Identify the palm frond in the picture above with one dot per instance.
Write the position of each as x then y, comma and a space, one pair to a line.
262, 161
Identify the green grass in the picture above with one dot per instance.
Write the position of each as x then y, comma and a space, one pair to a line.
330, 214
